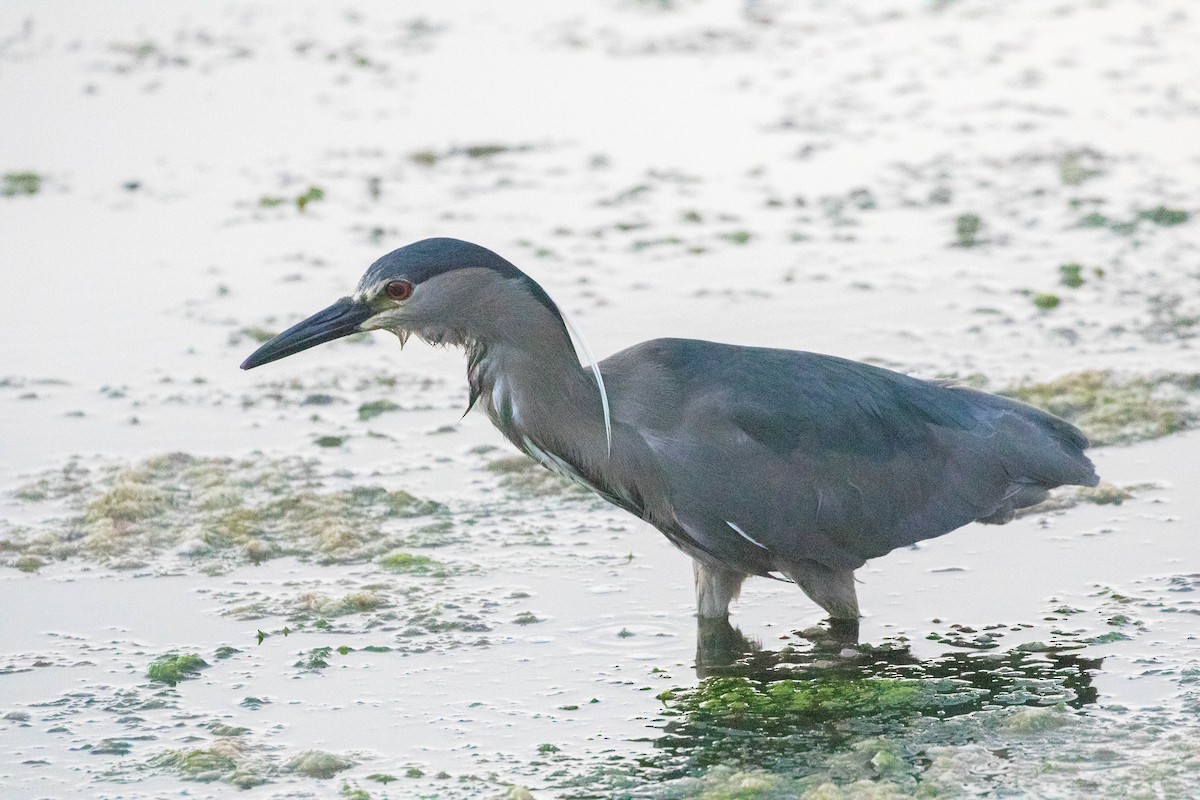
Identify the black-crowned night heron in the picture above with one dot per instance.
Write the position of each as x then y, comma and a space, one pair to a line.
753, 461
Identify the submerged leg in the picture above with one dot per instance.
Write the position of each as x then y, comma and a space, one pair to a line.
719, 645
843, 631
831, 589
716, 588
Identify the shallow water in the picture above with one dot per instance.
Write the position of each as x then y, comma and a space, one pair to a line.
771, 174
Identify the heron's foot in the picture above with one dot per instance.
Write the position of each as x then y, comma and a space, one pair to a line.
836, 633
719, 644
831, 589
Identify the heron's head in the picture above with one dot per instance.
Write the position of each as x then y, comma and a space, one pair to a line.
442, 290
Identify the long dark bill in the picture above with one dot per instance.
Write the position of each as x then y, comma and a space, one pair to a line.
340, 319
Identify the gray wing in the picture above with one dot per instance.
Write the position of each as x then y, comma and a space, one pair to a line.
773, 456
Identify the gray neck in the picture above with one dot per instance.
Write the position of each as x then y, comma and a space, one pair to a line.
531, 385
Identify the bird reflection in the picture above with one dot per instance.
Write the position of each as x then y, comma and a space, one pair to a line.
833, 649
805, 708
720, 645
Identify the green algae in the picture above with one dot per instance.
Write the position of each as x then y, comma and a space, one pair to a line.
524, 475
1161, 215
225, 760
1071, 275
310, 195
68, 481
866, 723
737, 237
487, 150
1046, 301
881, 685
1103, 494
511, 464
375, 408
212, 510
996, 753
431, 158
352, 603
330, 441
646, 244
385, 778
1106, 494
198, 764
175, 667
1115, 409
967, 228
738, 702
315, 610
399, 503
20, 183
435, 534
301, 201
29, 563
317, 764
316, 659
409, 564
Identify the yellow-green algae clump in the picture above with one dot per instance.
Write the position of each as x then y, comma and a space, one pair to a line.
409, 564
318, 764
352, 603
523, 474
29, 563
225, 760
213, 509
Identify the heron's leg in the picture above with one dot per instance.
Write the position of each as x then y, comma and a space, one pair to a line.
716, 588
843, 631
831, 589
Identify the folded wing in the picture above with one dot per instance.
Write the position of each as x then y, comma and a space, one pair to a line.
777, 456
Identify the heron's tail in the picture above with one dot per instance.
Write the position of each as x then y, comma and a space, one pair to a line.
1038, 449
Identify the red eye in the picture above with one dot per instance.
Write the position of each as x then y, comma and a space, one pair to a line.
399, 290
